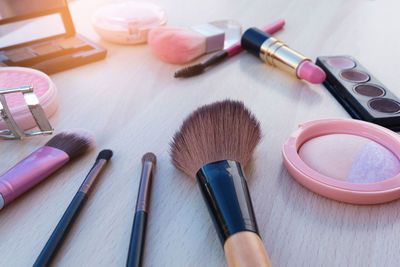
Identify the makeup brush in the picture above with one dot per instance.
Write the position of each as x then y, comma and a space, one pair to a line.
181, 45
212, 145
62, 148
64, 225
222, 55
138, 234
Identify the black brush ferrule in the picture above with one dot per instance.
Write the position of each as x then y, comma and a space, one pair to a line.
224, 189
252, 39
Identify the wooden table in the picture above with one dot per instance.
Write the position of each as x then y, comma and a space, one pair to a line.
132, 104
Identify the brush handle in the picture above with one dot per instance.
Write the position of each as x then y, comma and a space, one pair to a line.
217, 58
138, 236
245, 249
64, 225
30, 171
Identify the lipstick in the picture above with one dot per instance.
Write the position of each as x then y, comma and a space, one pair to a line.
277, 53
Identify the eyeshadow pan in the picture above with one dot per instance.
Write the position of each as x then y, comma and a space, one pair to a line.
45, 49
384, 105
20, 54
341, 62
354, 76
70, 42
370, 90
350, 158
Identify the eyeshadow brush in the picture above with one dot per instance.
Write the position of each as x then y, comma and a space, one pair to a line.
41, 163
212, 145
223, 54
64, 225
138, 235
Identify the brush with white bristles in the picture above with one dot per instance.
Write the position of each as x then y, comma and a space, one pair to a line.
211, 146
40, 164
181, 45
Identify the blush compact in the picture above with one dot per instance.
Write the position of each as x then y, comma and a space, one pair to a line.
344, 159
359, 92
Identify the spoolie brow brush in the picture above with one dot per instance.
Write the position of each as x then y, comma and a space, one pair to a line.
64, 225
138, 235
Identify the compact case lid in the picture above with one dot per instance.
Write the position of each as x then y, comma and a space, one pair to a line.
43, 87
358, 193
128, 22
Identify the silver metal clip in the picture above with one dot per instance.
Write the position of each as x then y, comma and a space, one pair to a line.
13, 131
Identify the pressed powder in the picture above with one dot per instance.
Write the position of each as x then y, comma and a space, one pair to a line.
350, 158
344, 159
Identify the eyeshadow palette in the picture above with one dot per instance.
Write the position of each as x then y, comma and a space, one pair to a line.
41, 35
359, 92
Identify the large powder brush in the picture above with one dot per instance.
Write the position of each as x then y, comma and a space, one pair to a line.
213, 144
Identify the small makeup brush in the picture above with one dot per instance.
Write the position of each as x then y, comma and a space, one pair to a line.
222, 55
59, 150
181, 45
212, 145
138, 235
64, 225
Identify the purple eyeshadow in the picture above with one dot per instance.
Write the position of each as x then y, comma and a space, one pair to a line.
369, 90
341, 62
354, 76
384, 105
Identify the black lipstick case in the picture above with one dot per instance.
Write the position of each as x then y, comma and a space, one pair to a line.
362, 95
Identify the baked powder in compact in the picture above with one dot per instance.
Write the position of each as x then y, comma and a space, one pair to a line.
359, 92
347, 160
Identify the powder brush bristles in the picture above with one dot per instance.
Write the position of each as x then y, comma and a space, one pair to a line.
74, 143
219, 131
176, 45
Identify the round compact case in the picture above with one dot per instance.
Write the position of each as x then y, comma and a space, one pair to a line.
128, 22
43, 87
347, 160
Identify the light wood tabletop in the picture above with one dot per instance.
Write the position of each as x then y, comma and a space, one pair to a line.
132, 104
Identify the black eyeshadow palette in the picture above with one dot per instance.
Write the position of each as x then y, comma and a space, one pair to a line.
360, 93
40, 34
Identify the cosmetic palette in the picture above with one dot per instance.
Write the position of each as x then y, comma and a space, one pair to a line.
53, 48
344, 159
359, 92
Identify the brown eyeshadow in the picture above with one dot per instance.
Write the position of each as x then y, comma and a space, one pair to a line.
21, 54
70, 42
45, 49
370, 90
354, 76
384, 105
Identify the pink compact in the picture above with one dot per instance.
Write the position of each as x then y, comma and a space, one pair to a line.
347, 160
128, 22
22, 107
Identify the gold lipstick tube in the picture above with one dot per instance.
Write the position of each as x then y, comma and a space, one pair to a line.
277, 53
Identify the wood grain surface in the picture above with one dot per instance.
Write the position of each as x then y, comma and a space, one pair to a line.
133, 105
